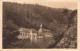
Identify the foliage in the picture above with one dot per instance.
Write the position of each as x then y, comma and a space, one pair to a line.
16, 15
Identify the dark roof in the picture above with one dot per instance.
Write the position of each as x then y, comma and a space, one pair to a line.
44, 32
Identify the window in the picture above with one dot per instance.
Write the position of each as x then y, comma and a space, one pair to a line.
34, 35
21, 34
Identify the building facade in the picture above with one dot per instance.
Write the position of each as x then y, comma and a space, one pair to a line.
33, 35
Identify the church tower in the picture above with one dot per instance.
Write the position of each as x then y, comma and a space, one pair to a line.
40, 30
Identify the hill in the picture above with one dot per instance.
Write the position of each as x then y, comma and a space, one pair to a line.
16, 15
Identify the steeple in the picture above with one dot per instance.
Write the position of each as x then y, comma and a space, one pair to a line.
40, 30
41, 26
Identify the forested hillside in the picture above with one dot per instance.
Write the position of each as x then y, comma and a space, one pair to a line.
16, 15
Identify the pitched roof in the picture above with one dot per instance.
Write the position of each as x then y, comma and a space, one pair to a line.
27, 30
24, 30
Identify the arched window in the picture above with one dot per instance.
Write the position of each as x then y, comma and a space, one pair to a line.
21, 33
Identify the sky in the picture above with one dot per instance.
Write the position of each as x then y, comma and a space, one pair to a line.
54, 4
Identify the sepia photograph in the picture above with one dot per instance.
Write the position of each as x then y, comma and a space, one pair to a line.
39, 25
